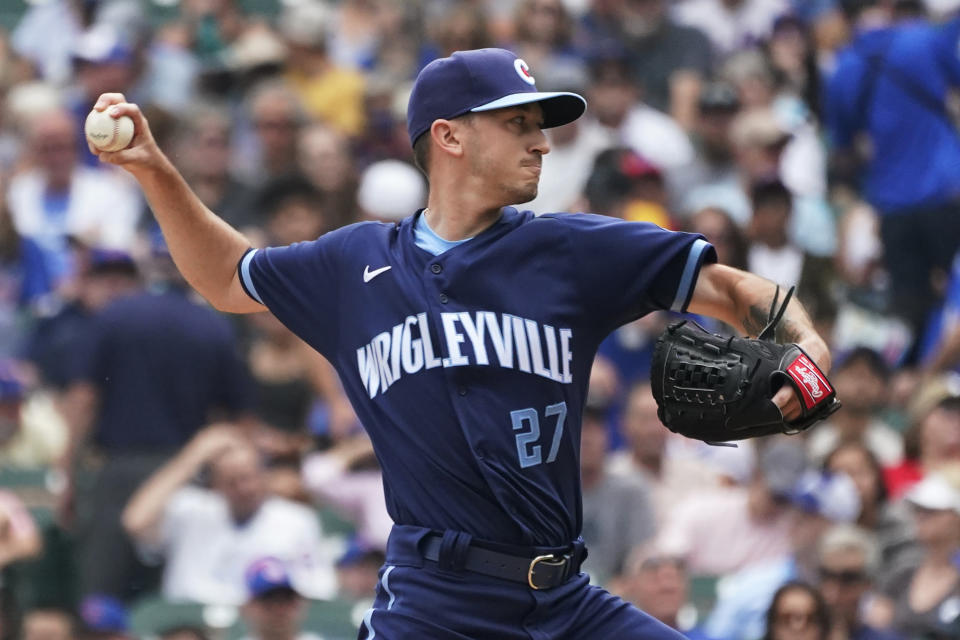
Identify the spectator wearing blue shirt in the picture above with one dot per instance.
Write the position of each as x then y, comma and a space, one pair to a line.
156, 368
891, 84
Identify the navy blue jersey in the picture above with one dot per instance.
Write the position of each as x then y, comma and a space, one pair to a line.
469, 369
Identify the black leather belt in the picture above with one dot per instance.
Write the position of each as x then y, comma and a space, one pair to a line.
539, 572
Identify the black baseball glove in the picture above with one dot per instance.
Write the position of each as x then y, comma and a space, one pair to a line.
720, 389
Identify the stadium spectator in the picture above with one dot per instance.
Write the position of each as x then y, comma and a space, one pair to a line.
183, 632
933, 438
848, 563
58, 197
358, 571
47, 624
861, 379
888, 522
276, 116
156, 367
797, 612
202, 151
890, 84
617, 513
275, 608
323, 156
816, 501
329, 93
543, 36
56, 342
660, 586
169, 518
669, 60
713, 178
29, 436
723, 233
925, 600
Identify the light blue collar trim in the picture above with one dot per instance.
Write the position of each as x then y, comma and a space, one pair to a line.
427, 239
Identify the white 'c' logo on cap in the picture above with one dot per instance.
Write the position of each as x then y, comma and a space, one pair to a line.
523, 71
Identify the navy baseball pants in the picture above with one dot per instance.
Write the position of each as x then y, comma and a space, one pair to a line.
417, 600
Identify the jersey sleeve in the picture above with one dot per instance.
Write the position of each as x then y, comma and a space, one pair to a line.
299, 285
627, 269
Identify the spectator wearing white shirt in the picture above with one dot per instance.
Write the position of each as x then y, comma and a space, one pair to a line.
58, 197
209, 536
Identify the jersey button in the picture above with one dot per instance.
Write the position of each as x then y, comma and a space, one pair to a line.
436, 268
462, 391
444, 299
481, 452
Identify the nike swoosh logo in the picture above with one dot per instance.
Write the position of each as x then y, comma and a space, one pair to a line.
370, 275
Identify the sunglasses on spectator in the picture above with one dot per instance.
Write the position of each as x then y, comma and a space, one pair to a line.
846, 577
795, 619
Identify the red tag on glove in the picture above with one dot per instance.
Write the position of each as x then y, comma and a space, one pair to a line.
812, 383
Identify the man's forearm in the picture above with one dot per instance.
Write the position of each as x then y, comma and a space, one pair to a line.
204, 247
145, 508
744, 300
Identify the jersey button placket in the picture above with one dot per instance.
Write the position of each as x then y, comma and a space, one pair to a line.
444, 299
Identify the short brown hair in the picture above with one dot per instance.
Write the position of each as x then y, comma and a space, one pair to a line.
421, 153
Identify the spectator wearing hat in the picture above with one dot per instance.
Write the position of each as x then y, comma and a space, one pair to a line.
104, 617
358, 569
924, 601
815, 500
55, 343
103, 60
713, 178
59, 198
274, 609
625, 185
329, 93
848, 564
617, 511
861, 378
171, 519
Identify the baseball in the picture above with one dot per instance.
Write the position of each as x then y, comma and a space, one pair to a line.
108, 133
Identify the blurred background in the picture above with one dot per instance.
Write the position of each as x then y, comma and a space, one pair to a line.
168, 471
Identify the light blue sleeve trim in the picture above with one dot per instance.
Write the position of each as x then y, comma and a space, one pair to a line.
245, 278
686, 280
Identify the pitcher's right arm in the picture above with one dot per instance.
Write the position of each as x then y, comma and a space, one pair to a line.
205, 249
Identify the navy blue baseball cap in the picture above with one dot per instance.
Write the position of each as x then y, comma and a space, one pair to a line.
482, 80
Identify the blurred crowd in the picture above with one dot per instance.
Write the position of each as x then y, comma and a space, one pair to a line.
153, 450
